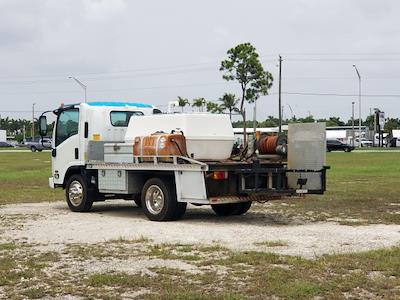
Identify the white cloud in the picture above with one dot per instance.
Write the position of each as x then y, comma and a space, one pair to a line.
102, 10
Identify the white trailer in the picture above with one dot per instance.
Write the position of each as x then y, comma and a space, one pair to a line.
92, 161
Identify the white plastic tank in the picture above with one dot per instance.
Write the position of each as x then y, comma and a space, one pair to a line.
208, 136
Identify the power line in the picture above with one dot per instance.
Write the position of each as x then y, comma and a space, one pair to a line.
342, 59
342, 95
107, 72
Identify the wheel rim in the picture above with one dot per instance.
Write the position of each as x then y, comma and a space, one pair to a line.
75, 193
154, 199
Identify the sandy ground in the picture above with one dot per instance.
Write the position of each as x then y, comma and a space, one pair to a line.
53, 226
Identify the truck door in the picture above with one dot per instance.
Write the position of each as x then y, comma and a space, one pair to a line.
65, 152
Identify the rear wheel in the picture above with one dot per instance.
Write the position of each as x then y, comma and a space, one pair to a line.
159, 201
231, 209
33, 149
242, 208
79, 197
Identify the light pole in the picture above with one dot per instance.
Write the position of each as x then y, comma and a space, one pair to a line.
33, 122
352, 122
291, 111
280, 92
81, 85
359, 106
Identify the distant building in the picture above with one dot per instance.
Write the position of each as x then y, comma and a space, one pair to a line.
345, 133
3, 136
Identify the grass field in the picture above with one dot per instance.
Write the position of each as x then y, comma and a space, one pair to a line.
24, 178
362, 188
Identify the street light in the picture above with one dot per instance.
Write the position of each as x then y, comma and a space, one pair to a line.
33, 122
81, 85
352, 121
359, 106
291, 111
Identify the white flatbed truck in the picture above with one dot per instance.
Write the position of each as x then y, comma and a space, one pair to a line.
163, 185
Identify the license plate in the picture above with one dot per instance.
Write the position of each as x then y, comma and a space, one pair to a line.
301, 191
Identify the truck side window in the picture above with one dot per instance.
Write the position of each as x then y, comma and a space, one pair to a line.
121, 118
67, 125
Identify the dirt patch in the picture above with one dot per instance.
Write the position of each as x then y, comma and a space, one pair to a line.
53, 225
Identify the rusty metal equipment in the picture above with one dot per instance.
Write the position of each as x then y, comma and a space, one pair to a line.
160, 144
272, 145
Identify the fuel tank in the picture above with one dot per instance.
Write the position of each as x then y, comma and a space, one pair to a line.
160, 144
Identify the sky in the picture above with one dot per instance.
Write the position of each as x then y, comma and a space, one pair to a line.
153, 51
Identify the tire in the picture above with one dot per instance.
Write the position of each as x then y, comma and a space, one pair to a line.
40, 150
33, 149
346, 149
224, 210
242, 208
159, 201
138, 201
79, 197
231, 209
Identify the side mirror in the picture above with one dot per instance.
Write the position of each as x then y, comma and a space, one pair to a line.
43, 126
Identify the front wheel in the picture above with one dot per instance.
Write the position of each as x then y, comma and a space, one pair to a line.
33, 149
159, 201
138, 202
79, 197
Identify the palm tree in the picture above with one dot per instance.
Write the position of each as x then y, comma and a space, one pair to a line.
213, 107
182, 102
199, 102
229, 103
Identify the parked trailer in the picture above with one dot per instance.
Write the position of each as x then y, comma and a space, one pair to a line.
90, 161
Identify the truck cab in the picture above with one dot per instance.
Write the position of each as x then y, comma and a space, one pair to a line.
78, 124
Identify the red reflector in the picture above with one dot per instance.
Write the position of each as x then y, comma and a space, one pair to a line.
219, 175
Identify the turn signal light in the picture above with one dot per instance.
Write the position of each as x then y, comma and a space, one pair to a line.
219, 175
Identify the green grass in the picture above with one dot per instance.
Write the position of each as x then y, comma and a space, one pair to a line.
24, 178
273, 244
246, 274
361, 188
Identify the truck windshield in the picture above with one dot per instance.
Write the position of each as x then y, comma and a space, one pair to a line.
67, 125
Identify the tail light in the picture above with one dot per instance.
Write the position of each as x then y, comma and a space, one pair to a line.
219, 175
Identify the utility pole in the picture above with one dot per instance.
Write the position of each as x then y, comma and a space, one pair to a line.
33, 122
280, 92
352, 122
359, 106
